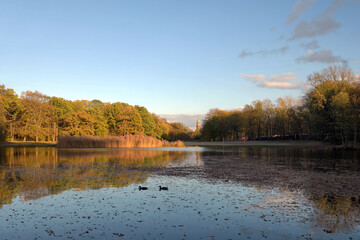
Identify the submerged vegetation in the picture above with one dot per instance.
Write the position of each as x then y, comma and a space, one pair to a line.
329, 111
128, 141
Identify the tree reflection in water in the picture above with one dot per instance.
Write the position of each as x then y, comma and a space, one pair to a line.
337, 213
32, 173
330, 180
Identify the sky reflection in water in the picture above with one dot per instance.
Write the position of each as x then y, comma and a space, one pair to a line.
213, 193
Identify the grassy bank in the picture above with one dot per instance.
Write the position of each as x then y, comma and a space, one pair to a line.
129, 141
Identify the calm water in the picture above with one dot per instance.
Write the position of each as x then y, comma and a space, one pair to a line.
213, 193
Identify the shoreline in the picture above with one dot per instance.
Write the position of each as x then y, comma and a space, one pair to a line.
277, 143
28, 144
267, 144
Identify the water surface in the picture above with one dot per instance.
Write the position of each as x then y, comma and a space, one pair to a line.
213, 193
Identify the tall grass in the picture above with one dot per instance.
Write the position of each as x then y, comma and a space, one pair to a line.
128, 141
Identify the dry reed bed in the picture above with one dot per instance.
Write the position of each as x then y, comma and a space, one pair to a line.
129, 141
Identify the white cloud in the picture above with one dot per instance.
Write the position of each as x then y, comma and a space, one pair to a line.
282, 81
322, 25
322, 56
299, 8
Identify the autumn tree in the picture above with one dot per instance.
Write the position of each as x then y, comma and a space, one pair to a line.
85, 122
3, 131
38, 118
12, 108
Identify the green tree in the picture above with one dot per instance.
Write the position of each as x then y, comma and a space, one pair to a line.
236, 124
258, 115
330, 105
178, 131
124, 119
148, 121
354, 97
162, 128
97, 111
216, 125
269, 116
249, 119
65, 115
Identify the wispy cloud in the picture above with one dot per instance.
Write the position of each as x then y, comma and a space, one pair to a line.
282, 81
274, 51
246, 53
323, 56
310, 45
299, 8
321, 25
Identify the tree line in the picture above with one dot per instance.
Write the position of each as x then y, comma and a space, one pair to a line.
329, 111
37, 117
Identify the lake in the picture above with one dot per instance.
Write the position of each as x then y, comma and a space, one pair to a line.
213, 193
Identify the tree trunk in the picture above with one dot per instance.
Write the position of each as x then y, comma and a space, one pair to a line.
11, 133
54, 133
355, 133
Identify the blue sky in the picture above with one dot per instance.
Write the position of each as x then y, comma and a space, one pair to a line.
174, 57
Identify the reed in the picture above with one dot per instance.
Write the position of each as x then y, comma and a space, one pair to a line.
128, 141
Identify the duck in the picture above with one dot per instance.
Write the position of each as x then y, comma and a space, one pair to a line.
142, 188
163, 188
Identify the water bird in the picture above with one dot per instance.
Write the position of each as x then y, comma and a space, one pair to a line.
142, 188
163, 188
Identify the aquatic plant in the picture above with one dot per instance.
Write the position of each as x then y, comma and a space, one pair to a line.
128, 141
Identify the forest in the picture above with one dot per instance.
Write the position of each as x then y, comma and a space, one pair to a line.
328, 111
37, 117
